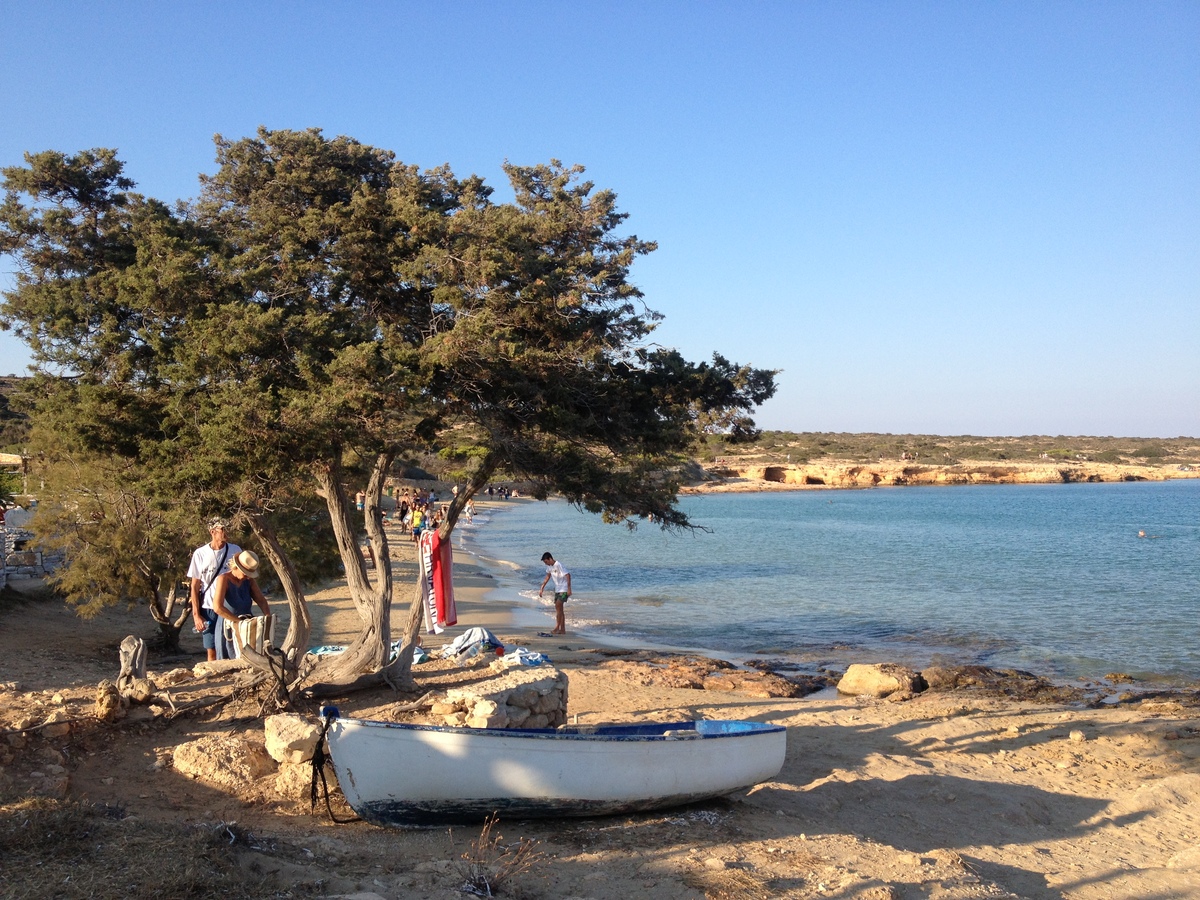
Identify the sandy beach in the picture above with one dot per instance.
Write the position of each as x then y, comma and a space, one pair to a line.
950, 794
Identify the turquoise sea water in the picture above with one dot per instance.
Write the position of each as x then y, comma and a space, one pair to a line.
1049, 578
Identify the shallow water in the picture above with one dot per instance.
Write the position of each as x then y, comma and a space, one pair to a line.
1049, 578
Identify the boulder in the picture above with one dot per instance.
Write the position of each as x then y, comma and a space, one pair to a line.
108, 706
880, 680
291, 738
57, 724
228, 762
174, 677
293, 781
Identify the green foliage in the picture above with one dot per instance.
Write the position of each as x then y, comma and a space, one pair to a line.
14, 423
10, 486
321, 310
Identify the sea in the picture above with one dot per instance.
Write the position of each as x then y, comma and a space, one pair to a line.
1051, 579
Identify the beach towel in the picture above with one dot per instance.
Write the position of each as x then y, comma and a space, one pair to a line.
520, 656
478, 638
420, 654
435, 584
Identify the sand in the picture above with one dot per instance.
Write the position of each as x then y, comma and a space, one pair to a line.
947, 795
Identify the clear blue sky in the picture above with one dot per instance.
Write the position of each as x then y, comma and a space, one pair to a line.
946, 218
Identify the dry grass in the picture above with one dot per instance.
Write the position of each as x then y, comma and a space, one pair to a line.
730, 884
489, 866
66, 849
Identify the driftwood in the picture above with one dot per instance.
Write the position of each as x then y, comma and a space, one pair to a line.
132, 683
424, 702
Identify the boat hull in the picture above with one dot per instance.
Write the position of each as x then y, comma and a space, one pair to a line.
405, 775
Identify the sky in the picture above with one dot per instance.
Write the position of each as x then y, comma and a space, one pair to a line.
933, 217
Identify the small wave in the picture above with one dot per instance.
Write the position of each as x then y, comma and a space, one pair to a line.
491, 560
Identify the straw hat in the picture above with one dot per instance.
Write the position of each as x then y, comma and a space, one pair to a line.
247, 563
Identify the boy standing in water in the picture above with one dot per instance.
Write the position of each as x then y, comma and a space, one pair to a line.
562, 590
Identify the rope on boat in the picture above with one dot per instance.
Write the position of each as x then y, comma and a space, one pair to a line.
318, 762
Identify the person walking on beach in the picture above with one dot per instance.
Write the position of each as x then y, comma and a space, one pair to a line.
208, 562
562, 590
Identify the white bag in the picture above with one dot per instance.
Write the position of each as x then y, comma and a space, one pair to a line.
257, 633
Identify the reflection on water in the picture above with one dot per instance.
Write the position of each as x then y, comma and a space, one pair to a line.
1050, 578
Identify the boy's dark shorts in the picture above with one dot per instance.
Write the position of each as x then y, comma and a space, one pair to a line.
561, 596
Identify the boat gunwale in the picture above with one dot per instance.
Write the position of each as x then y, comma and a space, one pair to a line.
665, 732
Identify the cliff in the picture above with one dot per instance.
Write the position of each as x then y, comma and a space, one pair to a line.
729, 476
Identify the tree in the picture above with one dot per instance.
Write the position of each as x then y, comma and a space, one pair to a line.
118, 546
323, 309
108, 287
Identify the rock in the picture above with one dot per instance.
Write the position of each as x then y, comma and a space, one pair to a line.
525, 697
57, 724
485, 708
497, 720
138, 690
108, 706
174, 677
290, 738
1011, 683
880, 680
225, 761
293, 781
517, 716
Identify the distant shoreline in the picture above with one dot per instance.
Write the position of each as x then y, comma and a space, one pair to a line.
736, 476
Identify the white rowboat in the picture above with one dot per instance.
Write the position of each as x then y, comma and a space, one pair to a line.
395, 775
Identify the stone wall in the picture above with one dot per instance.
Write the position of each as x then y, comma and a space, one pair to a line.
522, 697
21, 558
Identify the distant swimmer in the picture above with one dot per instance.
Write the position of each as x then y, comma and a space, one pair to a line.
1141, 534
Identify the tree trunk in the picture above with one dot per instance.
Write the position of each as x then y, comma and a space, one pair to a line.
399, 672
300, 624
369, 652
161, 611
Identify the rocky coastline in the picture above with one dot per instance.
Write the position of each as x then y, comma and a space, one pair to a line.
732, 475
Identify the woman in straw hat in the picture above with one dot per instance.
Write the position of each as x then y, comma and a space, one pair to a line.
234, 595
